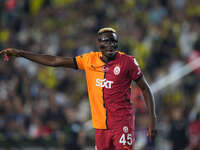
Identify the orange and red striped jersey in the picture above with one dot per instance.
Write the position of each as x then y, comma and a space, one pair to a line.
109, 86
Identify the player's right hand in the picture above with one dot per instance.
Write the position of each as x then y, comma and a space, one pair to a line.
9, 52
151, 129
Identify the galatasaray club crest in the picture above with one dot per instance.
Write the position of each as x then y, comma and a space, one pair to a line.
125, 129
117, 70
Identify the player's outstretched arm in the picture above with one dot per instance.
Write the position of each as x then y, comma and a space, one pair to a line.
149, 100
48, 60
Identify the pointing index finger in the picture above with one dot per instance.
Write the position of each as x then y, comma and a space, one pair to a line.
1, 52
4, 51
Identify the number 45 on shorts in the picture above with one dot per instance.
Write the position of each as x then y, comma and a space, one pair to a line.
126, 138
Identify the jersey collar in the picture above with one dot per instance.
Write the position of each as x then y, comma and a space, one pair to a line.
98, 62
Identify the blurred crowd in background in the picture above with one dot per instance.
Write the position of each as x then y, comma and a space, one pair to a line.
45, 106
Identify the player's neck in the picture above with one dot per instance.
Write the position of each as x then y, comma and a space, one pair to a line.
107, 59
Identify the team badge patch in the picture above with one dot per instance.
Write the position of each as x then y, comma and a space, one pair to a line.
117, 70
125, 129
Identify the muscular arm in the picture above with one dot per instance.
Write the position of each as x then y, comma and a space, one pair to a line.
149, 100
148, 96
48, 60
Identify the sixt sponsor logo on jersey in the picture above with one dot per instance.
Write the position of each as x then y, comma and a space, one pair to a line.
104, 83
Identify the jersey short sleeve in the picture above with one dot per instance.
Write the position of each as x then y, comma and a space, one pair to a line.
134, 69
81, 61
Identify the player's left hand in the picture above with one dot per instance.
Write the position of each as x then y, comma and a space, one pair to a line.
151, 129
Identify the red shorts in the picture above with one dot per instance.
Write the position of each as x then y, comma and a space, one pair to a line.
117, 138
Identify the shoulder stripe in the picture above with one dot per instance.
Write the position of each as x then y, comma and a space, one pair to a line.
75, 63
